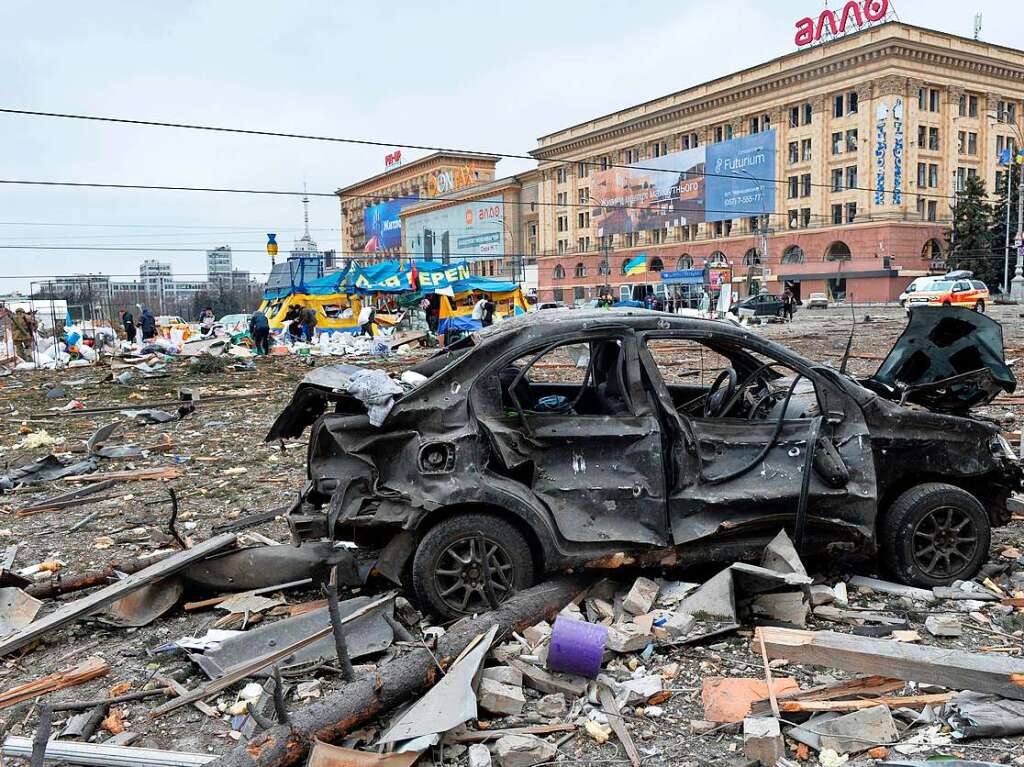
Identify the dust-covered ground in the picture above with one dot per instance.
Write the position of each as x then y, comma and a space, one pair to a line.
227, 471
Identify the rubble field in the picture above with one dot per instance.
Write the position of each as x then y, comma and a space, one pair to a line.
685, 657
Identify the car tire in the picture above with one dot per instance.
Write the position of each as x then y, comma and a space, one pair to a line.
451, 590
934, 534
946, 303
979, 307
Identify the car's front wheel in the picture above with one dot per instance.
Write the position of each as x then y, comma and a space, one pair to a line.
934, 534
466, 562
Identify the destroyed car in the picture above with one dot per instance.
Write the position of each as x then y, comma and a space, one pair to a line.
596, 437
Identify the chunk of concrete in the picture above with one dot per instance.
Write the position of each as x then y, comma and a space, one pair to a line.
762, 740
479, 755
780, 555
500, 699
822, 595
627, 637
536, 634
640, 598
713, 600
788, 607
859, 730
522, 751
599, 609
504, 674
637, 690
943, 626
552, 705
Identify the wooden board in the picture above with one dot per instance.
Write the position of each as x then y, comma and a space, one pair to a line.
110, 594
954, 669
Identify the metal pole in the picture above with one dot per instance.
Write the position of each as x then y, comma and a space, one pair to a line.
1006, 258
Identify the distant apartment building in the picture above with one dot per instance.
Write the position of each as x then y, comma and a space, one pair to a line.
218, 264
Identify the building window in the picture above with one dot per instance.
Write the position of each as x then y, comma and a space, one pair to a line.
933, 210
851, 140
604, 163
685, 261
657, 265
1006, 112
583, 245
583, 195
933, 139
603, 268
837, 214
972, 106
838, 251
562, 223
837, 179
837, 106
851, 212
582, 169
922, 175
805, 149
837, 143
561, 175
563, 245
805, 217
962, 106
805, 185
794, 218
808, 113
751, 258
690, 141
583, 219
581, 269
578, 294
851, 177
933, 100
794, 254
557, 295
562, 199
794, 187
752, 224
728, 132
718, 229
559, 273
972, 143
794, 117
922, 136
659, 236
718, 259
928, 99
852, 103
718, 134
754, 125
933, 175
794, 152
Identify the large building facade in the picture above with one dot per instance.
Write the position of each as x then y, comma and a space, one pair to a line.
872, 136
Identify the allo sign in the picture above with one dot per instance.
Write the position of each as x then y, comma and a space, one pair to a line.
855, 15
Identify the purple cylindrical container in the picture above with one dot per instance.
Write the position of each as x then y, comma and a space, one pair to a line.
577, 647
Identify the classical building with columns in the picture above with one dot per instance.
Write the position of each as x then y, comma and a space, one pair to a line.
874, 132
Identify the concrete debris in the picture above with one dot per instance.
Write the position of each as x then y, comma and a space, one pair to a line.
523, 751
858, 731
479, 755
500, 699
943, 626
894, 589
552, 706
780, 555
503, 674
762, 740
788, 607
641, 597
538, 634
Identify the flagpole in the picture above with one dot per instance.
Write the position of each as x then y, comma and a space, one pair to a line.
1006, 252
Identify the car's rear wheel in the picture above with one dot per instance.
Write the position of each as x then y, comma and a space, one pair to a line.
467, 561
934, 534
979, 307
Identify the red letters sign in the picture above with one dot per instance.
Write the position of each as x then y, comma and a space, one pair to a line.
860, 14
393, 159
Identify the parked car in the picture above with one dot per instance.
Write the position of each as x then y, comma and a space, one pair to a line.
761, 305
816, 301
551, 305
972, 294
234, 323
509, 461
918, 283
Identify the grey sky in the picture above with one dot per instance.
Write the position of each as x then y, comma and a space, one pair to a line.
484, 76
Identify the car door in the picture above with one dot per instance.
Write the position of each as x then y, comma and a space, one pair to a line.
707, 492
599, 473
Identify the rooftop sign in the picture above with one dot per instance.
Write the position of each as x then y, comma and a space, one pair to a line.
854, 17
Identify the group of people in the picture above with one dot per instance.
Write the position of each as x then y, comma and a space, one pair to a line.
147, 323
300, 323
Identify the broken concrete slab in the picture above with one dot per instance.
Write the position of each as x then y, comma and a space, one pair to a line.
762, 740
859, 730
552, 706
547, 682
504, 674
479, 755
523, 751
535, 635
627, 637
822, 595
500, 699
895, 589
943, 626
780, 555
713, 600
788, 607
641, 596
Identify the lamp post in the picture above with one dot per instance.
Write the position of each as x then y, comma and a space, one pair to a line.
516, 257
1015, 288
763, 234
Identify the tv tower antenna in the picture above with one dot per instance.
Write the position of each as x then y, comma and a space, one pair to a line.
305, 207
977, 26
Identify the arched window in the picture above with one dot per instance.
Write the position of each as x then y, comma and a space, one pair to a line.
559, 273
794, 254
838, 251
932, 253
581, 269
718, 259
751, 257
657, 264
685, 262
625, 263
603, 268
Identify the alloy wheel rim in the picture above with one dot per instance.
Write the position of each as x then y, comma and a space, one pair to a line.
945, 541
462, 579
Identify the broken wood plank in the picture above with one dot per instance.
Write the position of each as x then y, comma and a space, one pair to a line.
547, 683
179, 689
64, 499
128, 697
617, 724
954, 669
63, 585
88, 669
892, 701
129, 475
214, 601
865, 686
115, 591
481, 736
395, 682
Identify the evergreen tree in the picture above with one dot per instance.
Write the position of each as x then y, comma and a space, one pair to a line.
969, 240
998, 232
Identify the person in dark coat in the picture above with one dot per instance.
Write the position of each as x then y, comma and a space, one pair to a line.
308, 323
259, 329
148, 322
128, 323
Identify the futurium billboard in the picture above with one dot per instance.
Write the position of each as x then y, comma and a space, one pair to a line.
382, 226
469, 230
730, 179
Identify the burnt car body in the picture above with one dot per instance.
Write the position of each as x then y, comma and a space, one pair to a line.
482, 476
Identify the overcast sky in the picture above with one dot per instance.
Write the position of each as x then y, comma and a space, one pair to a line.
471, 75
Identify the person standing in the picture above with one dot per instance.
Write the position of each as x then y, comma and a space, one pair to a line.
148, 322
259, 329
479, 309
367, 314
23, 328
788, 302
308, 323
488, 318
128, 323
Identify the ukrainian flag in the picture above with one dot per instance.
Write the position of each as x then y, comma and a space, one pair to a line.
636, 265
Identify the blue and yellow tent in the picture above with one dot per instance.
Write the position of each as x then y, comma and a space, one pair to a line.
456, 312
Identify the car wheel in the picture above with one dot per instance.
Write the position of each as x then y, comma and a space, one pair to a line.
934, 534
979, 307
946, 303
451, 574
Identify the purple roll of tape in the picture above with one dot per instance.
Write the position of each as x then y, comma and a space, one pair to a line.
577, 647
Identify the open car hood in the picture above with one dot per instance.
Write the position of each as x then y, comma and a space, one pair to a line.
315, 390
948, 359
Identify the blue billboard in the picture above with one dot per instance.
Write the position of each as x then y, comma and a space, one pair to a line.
381, 225
469, 230
741, 177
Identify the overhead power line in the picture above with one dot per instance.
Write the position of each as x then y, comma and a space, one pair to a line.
378, 143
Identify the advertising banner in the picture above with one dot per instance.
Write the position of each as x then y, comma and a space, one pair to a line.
382, 226
469, 230
730, 179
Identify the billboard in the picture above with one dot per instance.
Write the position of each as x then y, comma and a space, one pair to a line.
381, 225
469, 230
730, 179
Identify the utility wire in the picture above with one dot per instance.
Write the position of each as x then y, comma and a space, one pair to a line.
370, 142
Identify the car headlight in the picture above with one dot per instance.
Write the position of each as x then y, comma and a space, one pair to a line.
1001, 447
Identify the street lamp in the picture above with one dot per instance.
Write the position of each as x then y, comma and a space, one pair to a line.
1016, 286
763, 238
517, 257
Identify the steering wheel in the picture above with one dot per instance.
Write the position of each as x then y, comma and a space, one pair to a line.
720, 393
